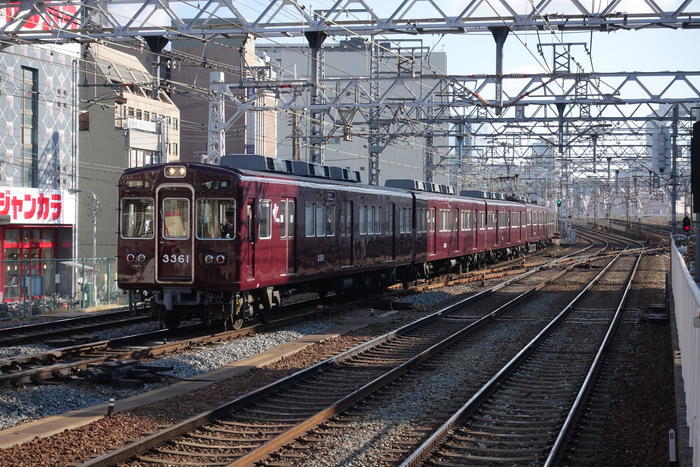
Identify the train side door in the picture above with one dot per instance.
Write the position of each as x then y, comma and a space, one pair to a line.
248, 239
175, 240
432, 231
346, 233
288, 234
455, 229
391, 215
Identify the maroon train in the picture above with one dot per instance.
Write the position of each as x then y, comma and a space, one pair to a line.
226, 240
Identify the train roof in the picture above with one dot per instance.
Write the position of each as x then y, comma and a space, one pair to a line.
316, 174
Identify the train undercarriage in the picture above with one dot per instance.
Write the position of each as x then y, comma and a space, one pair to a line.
230, 310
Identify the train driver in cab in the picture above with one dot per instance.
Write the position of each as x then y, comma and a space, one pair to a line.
228, 228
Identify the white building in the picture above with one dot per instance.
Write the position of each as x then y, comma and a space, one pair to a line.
405, 157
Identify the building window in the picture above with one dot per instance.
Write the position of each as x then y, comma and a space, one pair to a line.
138, 114
30, 133
84, 120
147, 115
131, 112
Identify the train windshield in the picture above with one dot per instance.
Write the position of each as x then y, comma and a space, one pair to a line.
137, 218
216, 219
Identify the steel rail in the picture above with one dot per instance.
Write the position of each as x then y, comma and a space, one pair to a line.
113, 349
143, 445
439, 435
558, 446
36, 331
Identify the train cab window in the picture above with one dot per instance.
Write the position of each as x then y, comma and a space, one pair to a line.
176, 218
137, 218
265, 220
216, 219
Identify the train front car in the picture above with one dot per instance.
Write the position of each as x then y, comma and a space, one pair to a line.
177, 241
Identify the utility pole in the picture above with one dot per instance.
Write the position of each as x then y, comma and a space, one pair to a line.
315, 39
373, 136
296, 136
429, 164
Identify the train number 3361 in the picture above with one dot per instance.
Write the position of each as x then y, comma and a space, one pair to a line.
176, 258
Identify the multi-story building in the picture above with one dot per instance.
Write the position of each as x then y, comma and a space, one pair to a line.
123, 123
405, 157
38, 168
254, 132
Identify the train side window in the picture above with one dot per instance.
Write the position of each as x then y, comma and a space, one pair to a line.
310, 222
330, 220
377, 219
176, 218
137, 218
264, 220
216, 219
455, 220
320, 219
363, 219
291, 218
283, 218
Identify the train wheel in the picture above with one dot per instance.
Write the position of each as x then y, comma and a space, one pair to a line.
234, 322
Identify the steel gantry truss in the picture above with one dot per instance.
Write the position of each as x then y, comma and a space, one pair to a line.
555, 108
289, 18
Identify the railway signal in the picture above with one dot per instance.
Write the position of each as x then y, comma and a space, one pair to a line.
686, 224
558, 202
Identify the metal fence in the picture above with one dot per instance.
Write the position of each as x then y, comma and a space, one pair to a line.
686, 298
34, 286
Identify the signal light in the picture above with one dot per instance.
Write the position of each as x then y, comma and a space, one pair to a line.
686, 224
558, 202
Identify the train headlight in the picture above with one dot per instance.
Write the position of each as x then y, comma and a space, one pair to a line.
141, 258
220, 259
175, 171
209, 259
130, 258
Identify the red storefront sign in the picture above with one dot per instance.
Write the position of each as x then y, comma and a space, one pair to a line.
35, 206
54, 16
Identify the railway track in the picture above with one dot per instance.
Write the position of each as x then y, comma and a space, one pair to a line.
525, 413
40, 332
250, 428
69, 362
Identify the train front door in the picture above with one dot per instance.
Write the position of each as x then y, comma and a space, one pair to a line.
175, 240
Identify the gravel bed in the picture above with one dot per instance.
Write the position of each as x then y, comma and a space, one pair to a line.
13, 351
195, 362
34, 402
373, 434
